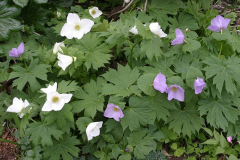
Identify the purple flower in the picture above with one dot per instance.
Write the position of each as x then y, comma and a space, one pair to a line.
127, 149
199, 84
175, 92
159, 83
179, 37
113, 111
218, 23
229, 139
16, 52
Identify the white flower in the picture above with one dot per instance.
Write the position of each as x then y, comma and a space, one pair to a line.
57, 47
155, 28
93, 129
58, 14
18, 105
76, 27
64, 61
95, 12
126, 1
134, 30
55, 101
50, 89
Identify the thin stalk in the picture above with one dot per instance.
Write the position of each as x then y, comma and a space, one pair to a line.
32, 120
5, 140
220, 51
132, 47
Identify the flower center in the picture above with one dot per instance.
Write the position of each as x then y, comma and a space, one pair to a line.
77, 27
55, 99
174, 89
93, 12
115, 109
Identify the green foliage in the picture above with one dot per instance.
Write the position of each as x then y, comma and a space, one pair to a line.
138, 113
223, 72
29, 75
7, 23
21, 3
40, 133
64, 148
122, 81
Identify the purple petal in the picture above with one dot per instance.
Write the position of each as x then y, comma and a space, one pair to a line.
113, 111
159, 83
21, 48
199, 84
225, 23
175, 92
13, 53
179, 37
213, 28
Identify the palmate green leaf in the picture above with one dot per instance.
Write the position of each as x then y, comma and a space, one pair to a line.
151, 47
96, 52
186, 121
191, 45
29, 75
138, 112
7, 23
142, 143
143, 30
21, 3
60, 117
82, 123
41, 1
145, 83
223, 72
161, 9
91, 100
41, 133
4, 71
67, 86
64, 149
219, 113
160, 105
121, 82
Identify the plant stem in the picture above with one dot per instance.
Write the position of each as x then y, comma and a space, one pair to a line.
32, 119
220, 51
132, 47
5, 140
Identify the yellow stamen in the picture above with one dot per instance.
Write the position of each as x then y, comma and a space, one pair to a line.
174, 89
93, 12
77, 27
115, 109
55, 99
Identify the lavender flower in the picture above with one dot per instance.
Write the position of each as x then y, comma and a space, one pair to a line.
229, 139
199, 84
113, 111
179, 37
159, 83
175, 92
218, 24
127, 149
16, 52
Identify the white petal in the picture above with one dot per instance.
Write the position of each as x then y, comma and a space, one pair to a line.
67, 30
50, 88
58, 106
93, 129
17, 105
95, 132
154, 28
78, 34
134, 30
47, 106
57, 47
73, 18
97, 12
86, 25
162, 34
65, 97
21, 115
64, 61
26, 103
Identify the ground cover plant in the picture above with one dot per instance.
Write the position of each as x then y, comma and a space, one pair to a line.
150, 79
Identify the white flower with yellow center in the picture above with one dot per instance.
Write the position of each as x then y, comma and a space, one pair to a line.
57, 47
65, 61
17, 106
155, 28
76, 27
56, 101
95, 12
